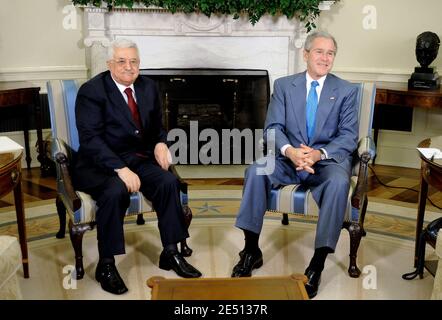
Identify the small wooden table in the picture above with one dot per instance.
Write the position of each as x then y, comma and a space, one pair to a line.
254, 288
26, 96
399, 95
10, 180
431, 174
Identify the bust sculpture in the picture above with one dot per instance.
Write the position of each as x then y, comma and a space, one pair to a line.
427, 47
425, 77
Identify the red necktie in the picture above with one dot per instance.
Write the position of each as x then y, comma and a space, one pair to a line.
133, 107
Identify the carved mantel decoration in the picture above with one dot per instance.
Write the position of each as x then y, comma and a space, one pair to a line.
194, 40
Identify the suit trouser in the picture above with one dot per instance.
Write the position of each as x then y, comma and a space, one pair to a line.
329, 187
112, 197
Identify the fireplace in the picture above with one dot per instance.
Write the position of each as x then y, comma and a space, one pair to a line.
236, 51
228, 103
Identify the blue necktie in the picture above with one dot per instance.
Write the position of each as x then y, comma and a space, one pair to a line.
312, 105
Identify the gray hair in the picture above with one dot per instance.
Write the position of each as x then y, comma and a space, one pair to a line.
318, 34
120, 43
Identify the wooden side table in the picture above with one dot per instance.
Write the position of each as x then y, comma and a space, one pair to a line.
26, 96
431, 174
254, 288
399, 95
10, 180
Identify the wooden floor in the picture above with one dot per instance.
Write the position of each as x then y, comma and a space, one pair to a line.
403, 185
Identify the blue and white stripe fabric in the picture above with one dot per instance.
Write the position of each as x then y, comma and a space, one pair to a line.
297, 199
62, 95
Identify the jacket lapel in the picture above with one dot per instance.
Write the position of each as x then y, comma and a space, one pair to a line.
325, 105
298, 98
117, 99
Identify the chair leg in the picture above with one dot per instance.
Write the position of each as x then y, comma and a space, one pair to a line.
61, 210
76, 233
355, 232
362, 216
285, 219
186, 251
140, 219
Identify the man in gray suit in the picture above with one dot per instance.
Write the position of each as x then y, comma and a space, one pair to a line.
314, 120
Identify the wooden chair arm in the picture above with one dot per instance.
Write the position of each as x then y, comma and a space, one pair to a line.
366, 145
64, 183
366, 151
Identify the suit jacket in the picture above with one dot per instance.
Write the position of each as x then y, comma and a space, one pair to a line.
109, 137
336, 125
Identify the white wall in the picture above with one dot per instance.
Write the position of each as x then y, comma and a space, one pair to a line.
389, 47
35, 47
387, 53
34, 44
32, 35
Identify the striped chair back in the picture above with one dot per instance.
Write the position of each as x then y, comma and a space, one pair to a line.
62, 95
297, 198
365, 101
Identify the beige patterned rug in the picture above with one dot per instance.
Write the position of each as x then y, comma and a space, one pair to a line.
385, 253
384, 217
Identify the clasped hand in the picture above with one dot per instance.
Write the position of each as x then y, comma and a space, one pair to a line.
303, 157
131, 179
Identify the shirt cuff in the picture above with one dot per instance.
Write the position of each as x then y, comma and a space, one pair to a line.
284, 148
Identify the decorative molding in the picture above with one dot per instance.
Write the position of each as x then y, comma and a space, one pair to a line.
203, 24
325, 5
215, 32
373, 74
95, 24
140, 8
42, 73
39, 75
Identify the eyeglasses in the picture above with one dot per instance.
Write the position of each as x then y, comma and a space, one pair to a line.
123, 62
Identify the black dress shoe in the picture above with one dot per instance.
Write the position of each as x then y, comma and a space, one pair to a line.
109, 278
174, 260
247, 263
312, 285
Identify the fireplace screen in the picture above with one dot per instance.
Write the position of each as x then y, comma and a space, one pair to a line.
214, 115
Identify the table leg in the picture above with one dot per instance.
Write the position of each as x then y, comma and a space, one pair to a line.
26, 136
420, 214
19, 208
42, 158
376, 124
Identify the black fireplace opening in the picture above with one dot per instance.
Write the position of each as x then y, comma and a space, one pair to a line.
224, 108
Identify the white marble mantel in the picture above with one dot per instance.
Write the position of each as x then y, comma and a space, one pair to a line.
181, 40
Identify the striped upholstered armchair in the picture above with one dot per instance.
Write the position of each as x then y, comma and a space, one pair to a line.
297, 199
79, 205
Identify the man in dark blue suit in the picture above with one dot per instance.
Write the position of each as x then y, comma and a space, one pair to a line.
122, 150
314, 118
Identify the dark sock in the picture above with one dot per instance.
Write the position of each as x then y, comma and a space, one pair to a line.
103, 260
318, 260
171, 247
251, 241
